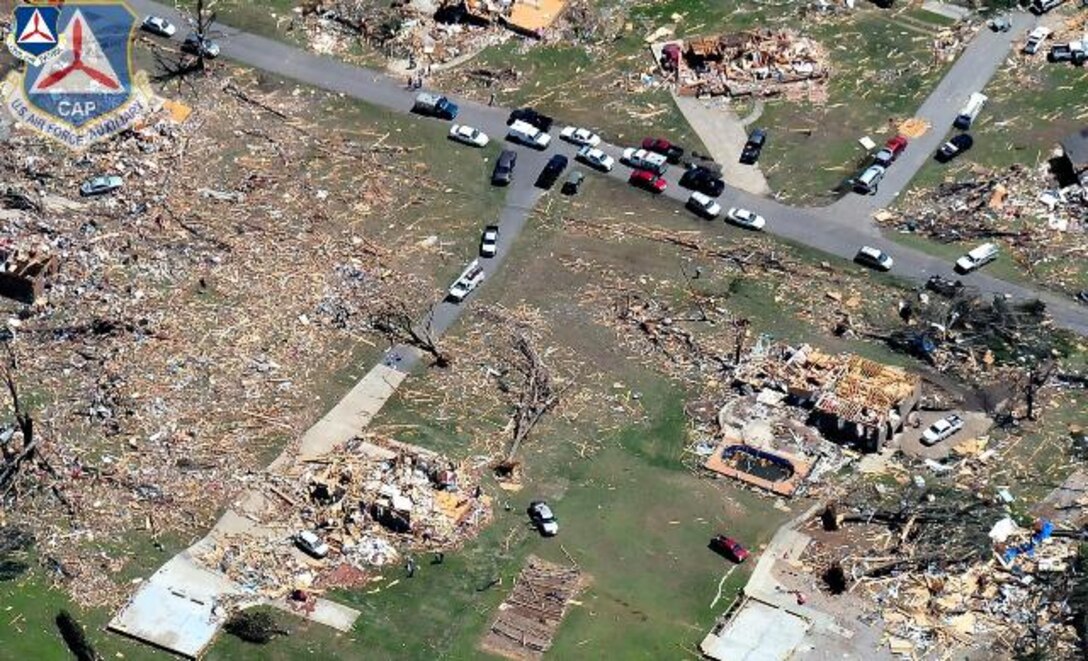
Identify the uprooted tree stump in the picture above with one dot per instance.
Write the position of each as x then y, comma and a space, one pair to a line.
254, 626
835, 579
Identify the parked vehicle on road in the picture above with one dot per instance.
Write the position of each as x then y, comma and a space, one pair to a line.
704, 205
648, 181
469, 280
672, 153
999, 23
643, 159
596, 159
489, 241
943, 286
942, 429
977, 258
1035, 40
891, 151
435, 105
1043, 6
194, 45
869, 181
580, 137
753, 147
730, 548
874, 258
158, 25
526, 134
542, 517
311, 544
548, 176
100, 185
954, 147
749, 220
503, 173
469, 135
573, 183
970, 110
703, 180
1074, 51
541, 121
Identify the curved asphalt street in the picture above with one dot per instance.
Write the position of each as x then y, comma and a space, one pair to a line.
839, 229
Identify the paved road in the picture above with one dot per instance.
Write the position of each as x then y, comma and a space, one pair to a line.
971, 72
835, 230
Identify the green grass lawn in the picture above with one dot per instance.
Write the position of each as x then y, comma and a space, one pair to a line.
813, 148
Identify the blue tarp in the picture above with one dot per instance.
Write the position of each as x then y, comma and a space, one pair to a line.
1028, 547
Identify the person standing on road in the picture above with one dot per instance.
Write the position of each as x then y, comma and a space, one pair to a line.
491, 101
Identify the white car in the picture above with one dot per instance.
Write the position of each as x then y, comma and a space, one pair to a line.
542, 517
581, 137
528, 135
977, 258
158, 25
704, 205
311, 544
1035, 40
942, 429
469, 279
746, 219
641, 159
100, 185
596, 158
489, 242
469, 135
874, 258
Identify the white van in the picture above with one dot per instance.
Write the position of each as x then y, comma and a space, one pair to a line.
977, 258
528, 135
970, 111
869, 180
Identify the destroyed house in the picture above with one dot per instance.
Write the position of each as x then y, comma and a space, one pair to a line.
869, 403
852, 399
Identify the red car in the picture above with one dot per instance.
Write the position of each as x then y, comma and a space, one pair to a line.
648, 180
730, 548
671, 152
891, 151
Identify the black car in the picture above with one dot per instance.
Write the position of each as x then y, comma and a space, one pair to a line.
541, 121
554, 168
504, 168
944, 286
750, 154
702, 180
957, 145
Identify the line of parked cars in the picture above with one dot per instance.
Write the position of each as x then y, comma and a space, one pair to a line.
869, 181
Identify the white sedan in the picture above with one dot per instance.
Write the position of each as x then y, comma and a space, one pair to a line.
158, 25
942, 429
581, 137
468, 135
596, 158
704, 205
746, 219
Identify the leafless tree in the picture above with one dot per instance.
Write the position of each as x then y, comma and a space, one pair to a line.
394, 320
200, 17
537, 397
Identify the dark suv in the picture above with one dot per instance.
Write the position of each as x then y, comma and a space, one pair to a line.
504, 168
530, 116
554, 168
750, 154
702, 180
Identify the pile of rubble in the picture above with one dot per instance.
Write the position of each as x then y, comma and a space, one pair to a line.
751, 63
1024, 207
175, 344
372, 502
